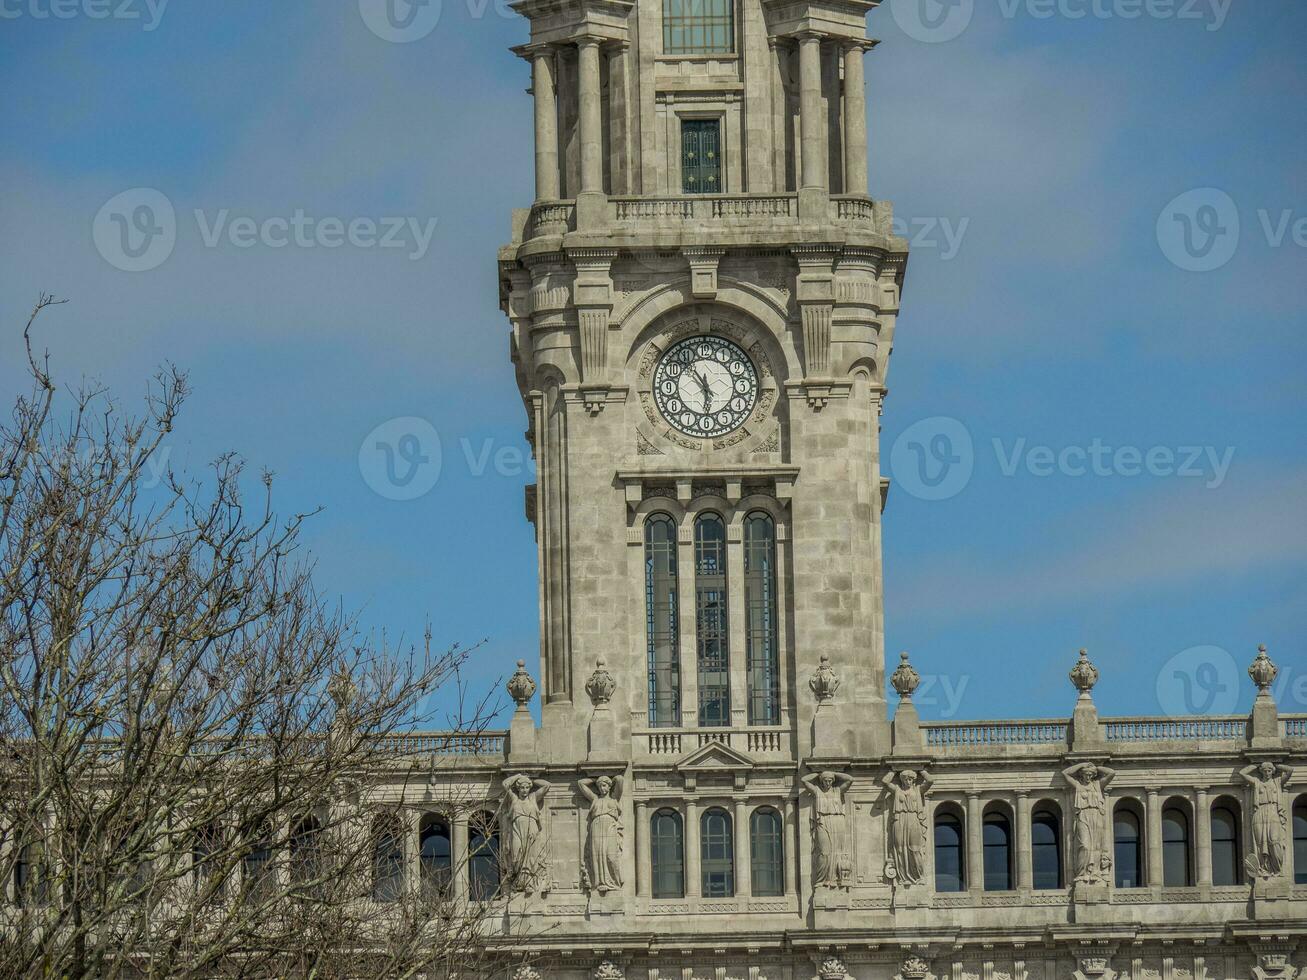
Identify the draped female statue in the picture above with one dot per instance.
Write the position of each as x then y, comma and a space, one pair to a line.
604, 847
831, 853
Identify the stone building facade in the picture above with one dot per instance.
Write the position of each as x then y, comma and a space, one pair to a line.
703, 299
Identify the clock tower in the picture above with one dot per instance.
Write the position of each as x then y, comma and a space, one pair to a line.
703, 298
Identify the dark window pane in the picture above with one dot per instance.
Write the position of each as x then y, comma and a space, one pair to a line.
717, 854
483, 857
1175, 849
997, 836
668, 853
1045, 850
662, 625
387, 861
1226, 863
767, 860
949, 857
711, 621
762, 655
1127, 850
435, 857
1300, 844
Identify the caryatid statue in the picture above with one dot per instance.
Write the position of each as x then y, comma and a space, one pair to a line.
1269, 820
604, 847
1093, 856
527, 857
908, 824
832, 854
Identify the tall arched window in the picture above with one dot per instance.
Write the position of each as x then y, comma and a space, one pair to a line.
31, 885
997, 839
950, 855
760, 620
1175, 848
1046, 847
483, 857
717, 854
258, 873
206, 863
435, 856
661, 621
667, 847
307, 855
1127, 847
767, 853
711, 623
1227, 857
1300, 841
387, 859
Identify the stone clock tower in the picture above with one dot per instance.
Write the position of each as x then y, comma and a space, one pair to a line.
703, 298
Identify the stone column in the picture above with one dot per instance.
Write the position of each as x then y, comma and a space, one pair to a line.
975, 843
802, 853
1153, 839
643, 856
410, 823
546, 119
855, 121
458, 845
1202, 837
743, 856
592, 175
1025, 879
811, 124
693, 880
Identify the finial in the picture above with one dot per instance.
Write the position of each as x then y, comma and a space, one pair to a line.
1263, 672
832, 968
520, 686
601, 685
1084, 675
825, 683
905, 679
608, 970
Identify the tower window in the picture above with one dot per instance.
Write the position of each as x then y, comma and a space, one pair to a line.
667, 846
1227, 861
483, 857
760, 620
717, 854
387, 859
997, 840
711, 624
950, 858
1175, 849
1127, 843
1300, 842
767, 861
698, 26
435, 856
1046, 849
701, 156
661, 621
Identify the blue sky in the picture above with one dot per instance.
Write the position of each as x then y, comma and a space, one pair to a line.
1029, 158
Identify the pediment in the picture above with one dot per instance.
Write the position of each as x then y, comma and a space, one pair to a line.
714, 757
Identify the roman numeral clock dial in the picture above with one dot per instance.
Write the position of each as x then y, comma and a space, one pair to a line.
705, 386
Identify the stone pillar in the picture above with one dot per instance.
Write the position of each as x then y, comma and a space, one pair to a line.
975, 843
693, 879
1153, 839
1025, 879
811, 124
619, 123
743, 855
643, 856
802, 846
458, 844
546, 119
855, 120
592, 174
1203, 836
410, 823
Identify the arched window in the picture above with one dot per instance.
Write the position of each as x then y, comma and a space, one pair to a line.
387, 859
1127, 847
1300, 841
258, 873
711, 623
1227, 857
435, 856
31, 885
717, 854
661, 621
950, 855
307, 855
1046, 848
206, 862
767, 853
760, 620
997, 839
1175, 848
698, 26
483, 857
667, 844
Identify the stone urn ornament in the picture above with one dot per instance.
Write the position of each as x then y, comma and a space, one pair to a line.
1084, 675
601, 685
905, 678
1263, 672
521, 688
825, 683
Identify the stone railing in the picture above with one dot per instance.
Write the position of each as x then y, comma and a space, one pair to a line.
956, 734
1174, 729
549, 218
768, 740
1293, 726
482, 744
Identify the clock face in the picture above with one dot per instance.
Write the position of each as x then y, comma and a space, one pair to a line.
706, 386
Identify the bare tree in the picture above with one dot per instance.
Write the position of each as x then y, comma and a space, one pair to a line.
188, 730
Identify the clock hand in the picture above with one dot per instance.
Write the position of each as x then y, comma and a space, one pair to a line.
707, 392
